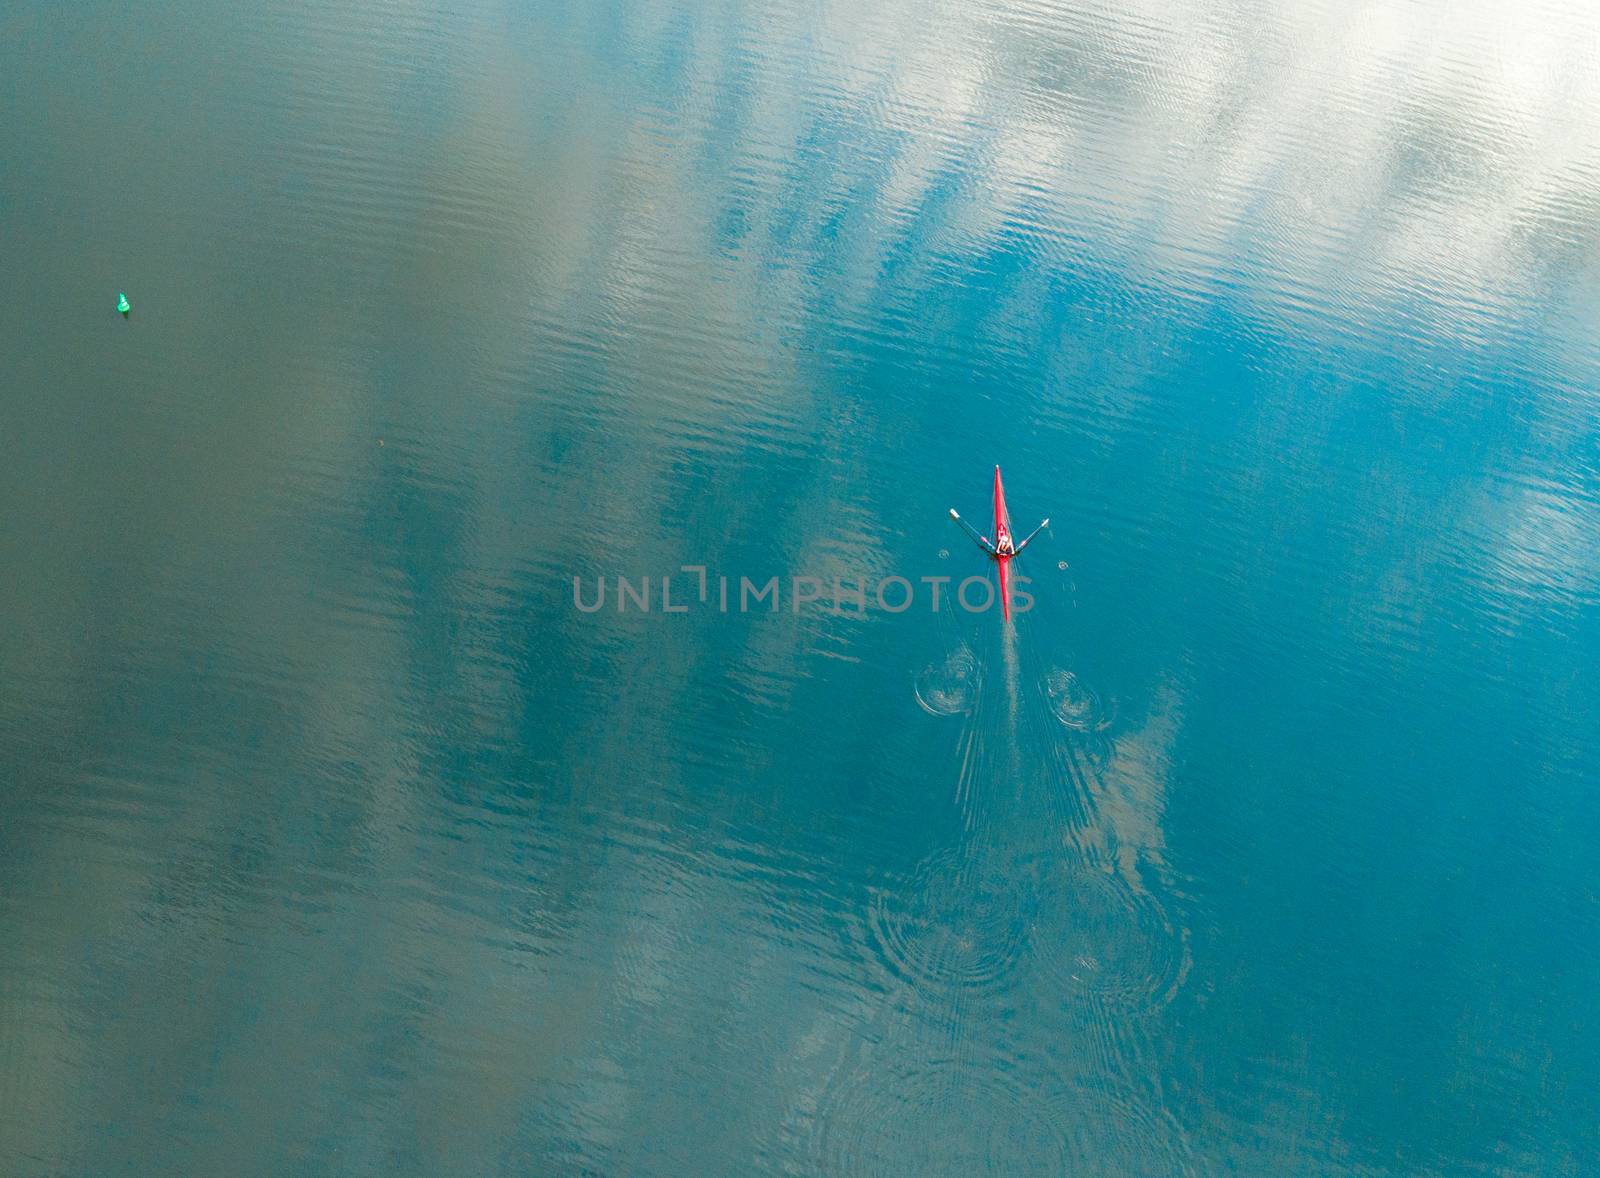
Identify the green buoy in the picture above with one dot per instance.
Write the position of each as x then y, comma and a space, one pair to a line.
122, 303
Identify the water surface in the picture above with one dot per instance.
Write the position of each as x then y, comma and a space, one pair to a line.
334, 839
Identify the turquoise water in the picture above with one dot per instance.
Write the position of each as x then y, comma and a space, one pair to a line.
334, 838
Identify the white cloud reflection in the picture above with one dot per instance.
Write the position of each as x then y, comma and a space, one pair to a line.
1371, 152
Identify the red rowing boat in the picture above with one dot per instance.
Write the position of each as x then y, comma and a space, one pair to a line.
1002, 550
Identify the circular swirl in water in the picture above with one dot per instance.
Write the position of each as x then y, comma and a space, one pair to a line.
1094, 936
908, 1114
949, 688
1122, 1132
1075, 705
959, 923
1095, 750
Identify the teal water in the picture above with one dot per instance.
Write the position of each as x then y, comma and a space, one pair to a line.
335, 839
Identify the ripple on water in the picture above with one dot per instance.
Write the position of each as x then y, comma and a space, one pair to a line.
1097, 750
1110, 1130
959, 924
949, 687
1095, 936
903, 1111
1074, 704
905, 1115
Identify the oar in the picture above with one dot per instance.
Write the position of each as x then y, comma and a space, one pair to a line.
973, 532
1033, 533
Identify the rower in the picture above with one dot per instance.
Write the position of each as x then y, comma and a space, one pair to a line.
1004, 546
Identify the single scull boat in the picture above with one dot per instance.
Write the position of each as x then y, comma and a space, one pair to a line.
1002, 549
